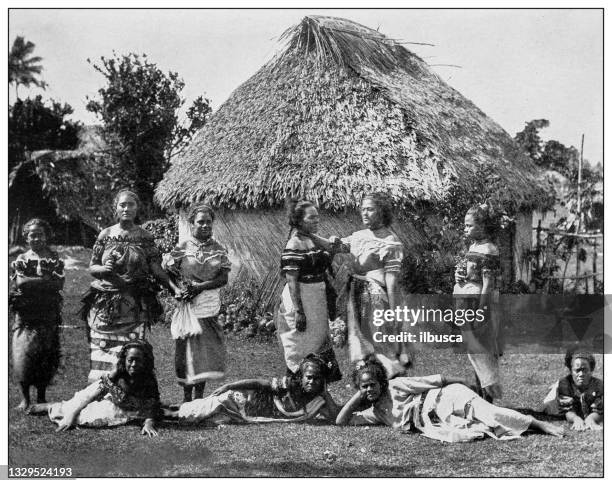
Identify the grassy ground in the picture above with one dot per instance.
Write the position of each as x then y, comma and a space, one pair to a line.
288, 449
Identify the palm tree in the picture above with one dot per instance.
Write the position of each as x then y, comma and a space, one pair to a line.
22, 68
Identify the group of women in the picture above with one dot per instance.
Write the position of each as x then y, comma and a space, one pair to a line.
121, 304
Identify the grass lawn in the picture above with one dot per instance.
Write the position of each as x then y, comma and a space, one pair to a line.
288, 449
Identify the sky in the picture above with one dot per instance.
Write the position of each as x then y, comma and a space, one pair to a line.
515, 65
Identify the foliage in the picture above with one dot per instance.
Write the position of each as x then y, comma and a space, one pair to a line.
429, 269
164, 231
529, 139
23, 69
240, 310
36, 125
140, 110
554, 156
550, 260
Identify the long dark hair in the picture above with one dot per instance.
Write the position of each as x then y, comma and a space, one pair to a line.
296, 208
147, 351
370, 364
487, 218
382, 202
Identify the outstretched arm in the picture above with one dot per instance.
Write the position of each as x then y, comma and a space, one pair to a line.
349, 408
248, 384
330, 409
332, 244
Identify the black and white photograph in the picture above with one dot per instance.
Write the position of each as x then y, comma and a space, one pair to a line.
304, 242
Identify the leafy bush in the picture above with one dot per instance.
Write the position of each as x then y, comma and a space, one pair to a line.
164, 231
239, 314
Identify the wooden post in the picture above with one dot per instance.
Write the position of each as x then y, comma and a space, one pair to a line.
594, 262
538, 250
579, 214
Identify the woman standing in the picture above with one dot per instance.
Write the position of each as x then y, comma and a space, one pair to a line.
475, 288
37, 303
202, 265
121, 302
303, 325
376, 257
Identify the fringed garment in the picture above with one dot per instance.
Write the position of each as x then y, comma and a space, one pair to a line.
37, 308
201, 356
120, 309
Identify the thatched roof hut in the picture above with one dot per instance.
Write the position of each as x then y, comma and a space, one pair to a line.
341, 111
69, 188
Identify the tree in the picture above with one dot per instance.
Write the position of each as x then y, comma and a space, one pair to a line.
529, 139
23, 69
555, 156
140, 110
34, 125
558, 157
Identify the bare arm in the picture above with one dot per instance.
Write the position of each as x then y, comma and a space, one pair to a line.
349, 408
296, 298
162, 276
333, 244
575, 420
248, 384
593, 421
488, 284
197, 287
330, 409
393, 297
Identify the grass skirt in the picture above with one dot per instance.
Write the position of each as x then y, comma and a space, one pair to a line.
202, 357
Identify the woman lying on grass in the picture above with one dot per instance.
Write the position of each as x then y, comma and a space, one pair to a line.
127, 394
289, 399
441, 408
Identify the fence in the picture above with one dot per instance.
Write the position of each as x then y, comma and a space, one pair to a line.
566, 261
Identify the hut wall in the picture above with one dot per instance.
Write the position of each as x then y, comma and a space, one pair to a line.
254, 240
523, 239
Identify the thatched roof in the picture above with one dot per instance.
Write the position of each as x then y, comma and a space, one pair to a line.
343, 110
73, 180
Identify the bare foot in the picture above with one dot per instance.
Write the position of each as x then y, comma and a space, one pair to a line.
39, 409
169, 414
23, 405
548, 428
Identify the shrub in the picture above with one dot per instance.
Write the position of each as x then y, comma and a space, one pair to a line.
164, 231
